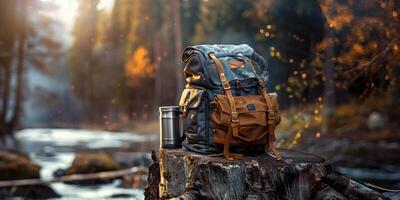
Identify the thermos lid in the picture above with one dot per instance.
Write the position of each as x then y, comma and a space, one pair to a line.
169, 108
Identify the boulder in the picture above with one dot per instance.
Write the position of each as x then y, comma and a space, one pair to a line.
376, 121
128, 159
91, 162
15, 166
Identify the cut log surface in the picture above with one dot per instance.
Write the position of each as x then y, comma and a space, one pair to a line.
187, 175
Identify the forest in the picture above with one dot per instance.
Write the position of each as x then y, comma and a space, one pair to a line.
107, 65
123, 63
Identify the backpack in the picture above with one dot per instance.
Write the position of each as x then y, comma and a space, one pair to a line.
225, 105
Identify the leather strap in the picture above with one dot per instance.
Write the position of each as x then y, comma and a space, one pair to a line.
234, 126
228, 155
271, 147
271, 119
270, 114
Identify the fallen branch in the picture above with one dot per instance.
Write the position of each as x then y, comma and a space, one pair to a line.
379, 189
75, 177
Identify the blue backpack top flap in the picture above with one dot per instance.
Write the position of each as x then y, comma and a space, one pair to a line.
223, 50
240, 62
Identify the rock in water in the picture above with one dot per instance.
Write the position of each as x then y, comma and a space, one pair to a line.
15, 166
91, 162
376, 121
187, 175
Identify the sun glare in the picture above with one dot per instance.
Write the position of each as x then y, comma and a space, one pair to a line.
67, 10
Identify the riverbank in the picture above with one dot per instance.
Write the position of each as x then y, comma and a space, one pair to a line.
54, 150
144, 127
361, 140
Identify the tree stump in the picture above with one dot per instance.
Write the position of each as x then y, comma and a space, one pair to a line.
181, 174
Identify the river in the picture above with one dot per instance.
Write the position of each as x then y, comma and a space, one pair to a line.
54, 149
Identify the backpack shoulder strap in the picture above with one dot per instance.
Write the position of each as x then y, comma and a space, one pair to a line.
271, 120
234, 126
270, 114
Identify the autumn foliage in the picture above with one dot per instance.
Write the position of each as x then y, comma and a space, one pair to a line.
124, 62
139, 66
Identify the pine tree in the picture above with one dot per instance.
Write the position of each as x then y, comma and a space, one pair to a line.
21, 45
82, 62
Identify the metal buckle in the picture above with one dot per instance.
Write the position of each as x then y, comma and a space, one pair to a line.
261, 82
226, 86
235, 117
211, 54
235, 125
271, 115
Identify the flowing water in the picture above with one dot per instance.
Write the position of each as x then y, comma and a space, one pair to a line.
54, 149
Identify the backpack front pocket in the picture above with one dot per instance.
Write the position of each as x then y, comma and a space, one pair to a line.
252, 114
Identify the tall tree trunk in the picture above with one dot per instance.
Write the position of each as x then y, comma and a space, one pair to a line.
176, 9
92, 102
165, 46
8, 13
157, 58
329, 84
6, 89
20, 67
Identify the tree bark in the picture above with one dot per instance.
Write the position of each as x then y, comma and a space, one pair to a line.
20, 67
157, 62
176, 9
187, 175
6, 89
7, 39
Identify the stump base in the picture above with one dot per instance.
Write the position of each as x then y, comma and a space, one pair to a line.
189, 175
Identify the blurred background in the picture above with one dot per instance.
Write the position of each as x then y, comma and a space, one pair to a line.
88, 76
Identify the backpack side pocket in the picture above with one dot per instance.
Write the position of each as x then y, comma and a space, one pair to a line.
194, 116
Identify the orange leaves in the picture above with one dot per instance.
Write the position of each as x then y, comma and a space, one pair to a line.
139, 66
396, 47
337, 15
358, 48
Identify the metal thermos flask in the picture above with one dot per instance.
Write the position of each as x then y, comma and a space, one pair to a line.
170, 127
